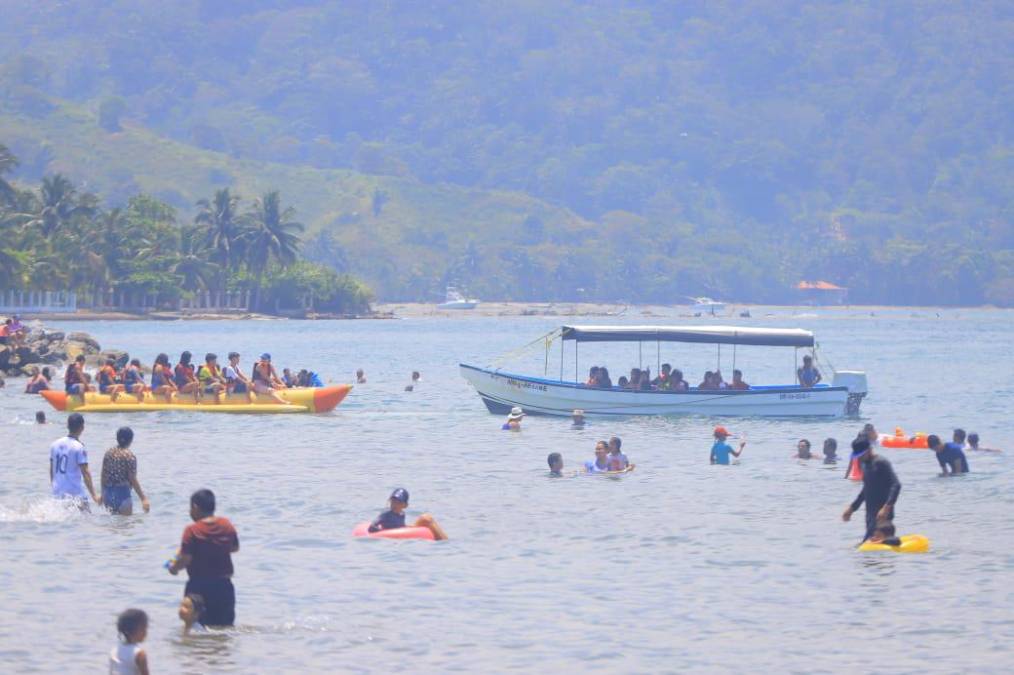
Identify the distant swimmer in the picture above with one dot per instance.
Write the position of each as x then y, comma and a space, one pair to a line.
830, 451
40, 417
617, 460
950, 456
720, 450
206, 553
129, 657
601, 462
973, 444
555, 462
235, 381
577, 419
119, 476
68, 465
513, 422
803, 450
881, 487
211, 378
808, 375
416, 377
360, 376
394, 517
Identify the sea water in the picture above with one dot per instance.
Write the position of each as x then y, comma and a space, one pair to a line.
679, 566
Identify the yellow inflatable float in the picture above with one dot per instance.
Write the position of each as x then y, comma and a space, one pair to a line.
910, 543
301, 400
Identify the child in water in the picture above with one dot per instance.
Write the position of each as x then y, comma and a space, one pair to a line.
830, 450
129, 657
884, 534
191, 613
721, 450
555, 461
394, 517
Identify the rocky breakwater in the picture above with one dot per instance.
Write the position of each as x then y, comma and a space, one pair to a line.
54, 348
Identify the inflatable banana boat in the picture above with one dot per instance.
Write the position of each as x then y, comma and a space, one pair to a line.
301, 400
363, 530
910, 543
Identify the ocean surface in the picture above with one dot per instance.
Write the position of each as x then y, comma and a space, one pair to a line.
680, 566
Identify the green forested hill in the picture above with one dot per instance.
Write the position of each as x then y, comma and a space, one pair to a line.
529, 149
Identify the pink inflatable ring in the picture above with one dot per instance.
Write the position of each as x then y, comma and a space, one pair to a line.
363, 530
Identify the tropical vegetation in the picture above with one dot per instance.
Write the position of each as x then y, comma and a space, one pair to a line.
57, 237
553, 149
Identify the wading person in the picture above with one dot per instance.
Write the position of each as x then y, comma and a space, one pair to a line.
206, 553
119, 476
880, 487
68, 465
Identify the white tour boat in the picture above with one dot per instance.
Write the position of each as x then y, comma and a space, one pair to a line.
706, 305
502, 391
456, 300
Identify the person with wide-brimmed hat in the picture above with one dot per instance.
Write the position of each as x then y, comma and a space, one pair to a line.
513, 422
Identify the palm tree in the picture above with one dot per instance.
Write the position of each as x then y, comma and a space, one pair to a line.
7, 163
223, 228
192, 266
270, 237
59, 204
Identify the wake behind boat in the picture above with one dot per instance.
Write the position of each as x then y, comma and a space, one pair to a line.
502, 391
298, 400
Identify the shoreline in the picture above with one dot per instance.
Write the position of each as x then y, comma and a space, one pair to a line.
400, 310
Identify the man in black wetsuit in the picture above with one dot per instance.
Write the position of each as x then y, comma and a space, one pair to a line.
880, 487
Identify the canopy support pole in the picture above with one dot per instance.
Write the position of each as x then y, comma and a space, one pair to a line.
562, 342
718, 366
733, 357
576, 380
640, 359
658, 358
795, 365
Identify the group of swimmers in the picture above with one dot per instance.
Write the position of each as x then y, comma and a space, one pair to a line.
13, 332
609, 459
185, 379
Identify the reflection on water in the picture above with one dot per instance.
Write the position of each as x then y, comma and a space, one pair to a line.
677, 566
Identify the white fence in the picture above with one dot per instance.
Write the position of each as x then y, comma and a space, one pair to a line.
37, 302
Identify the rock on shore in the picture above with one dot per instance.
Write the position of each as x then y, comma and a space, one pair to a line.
53, 348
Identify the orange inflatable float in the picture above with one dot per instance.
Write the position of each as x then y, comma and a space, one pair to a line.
900, 440
363, 530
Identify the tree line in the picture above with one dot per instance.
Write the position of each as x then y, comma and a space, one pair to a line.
58, 237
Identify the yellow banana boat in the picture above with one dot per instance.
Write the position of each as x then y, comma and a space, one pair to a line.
301, 400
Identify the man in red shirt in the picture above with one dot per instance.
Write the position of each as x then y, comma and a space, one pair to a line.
206, 552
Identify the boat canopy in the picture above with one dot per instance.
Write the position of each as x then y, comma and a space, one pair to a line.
724, 335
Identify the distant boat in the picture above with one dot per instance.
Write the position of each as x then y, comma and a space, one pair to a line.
456, 300
706, 305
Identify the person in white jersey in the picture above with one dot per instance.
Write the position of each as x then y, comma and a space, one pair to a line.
128, 657
68, 465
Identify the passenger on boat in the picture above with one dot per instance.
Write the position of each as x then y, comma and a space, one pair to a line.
308, 378
593, 377
601, 462
394, 518
39, 381
634, 383
708, 382
211, 378
719, 381
235, 381
577, 419
830, 450
721, 450
74, 380
645, 382
185, 378
360, 376
808, 375
677, 383
737, 381
617, 460
513, 422
162, 379
555, 461
603, 381
803, 450
973, 443
950, 456
663, 379
623, 382
265, 379
109, 380
133, 380
289, 379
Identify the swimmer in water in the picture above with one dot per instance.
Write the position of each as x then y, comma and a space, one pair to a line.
803, 450
513, 422
950, 456
617, 460
973, 444
884, 534
721, 450
601, 462
128, 656
394, 517
40, 417
360, 376
415, 380
191, 613
555, 461
577, 419
830, 451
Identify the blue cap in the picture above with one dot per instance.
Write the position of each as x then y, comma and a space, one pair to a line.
401, 494
860, 447
265, 357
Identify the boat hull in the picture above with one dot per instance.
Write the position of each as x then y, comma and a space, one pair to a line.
458, 304
502, 391
300, 400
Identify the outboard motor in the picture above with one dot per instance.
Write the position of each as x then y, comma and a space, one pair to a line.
855, 381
